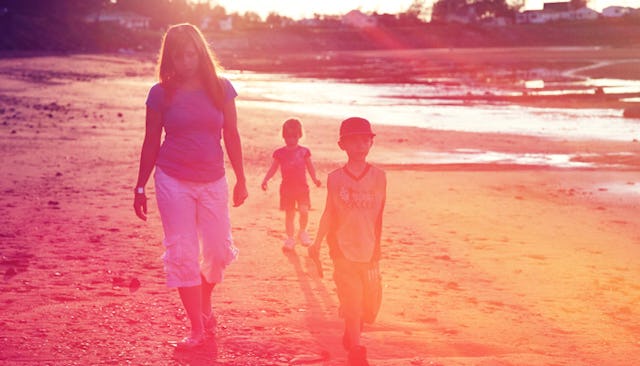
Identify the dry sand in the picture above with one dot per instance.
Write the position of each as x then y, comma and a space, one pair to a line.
483, 264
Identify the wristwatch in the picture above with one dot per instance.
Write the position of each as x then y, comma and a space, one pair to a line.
139, 190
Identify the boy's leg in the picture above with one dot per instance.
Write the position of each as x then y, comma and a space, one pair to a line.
350, 292
372, 293
352, 331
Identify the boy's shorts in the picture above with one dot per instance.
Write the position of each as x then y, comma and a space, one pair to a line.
359, 289
290, 199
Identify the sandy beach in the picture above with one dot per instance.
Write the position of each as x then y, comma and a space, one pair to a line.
483, 264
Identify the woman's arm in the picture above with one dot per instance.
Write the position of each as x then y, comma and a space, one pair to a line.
148, 156
233, 145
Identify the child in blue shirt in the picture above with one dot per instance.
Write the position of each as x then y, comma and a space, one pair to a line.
294, 161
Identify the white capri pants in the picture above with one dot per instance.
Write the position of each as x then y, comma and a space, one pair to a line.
190, 210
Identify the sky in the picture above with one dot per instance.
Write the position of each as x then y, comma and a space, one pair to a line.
298, 9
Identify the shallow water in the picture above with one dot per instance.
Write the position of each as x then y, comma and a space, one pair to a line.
380, 103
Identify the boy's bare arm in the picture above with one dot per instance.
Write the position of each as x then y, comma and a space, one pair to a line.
324, 225
314, 250
323, 228
312, 172
270, 173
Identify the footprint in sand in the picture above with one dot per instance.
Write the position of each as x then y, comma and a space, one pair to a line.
9, 273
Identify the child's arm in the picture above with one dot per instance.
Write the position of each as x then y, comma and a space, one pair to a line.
314, 249
378, 224
270, 173
312, 171
323, 229
324, 226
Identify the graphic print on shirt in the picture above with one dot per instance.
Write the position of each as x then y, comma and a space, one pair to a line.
357, 199
294, 161
293, 167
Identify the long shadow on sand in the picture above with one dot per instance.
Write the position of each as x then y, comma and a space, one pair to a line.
201, 356
318, 300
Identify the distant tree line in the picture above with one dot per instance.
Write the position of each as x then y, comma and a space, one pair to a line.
480, 10
161, 12
71, 25
165, 12
477, 10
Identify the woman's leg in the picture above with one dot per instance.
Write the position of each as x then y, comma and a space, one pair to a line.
192, 302
217, 244
177, 207
206, 291
214, 224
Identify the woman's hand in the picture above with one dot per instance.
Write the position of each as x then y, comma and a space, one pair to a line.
240, 193
140, 205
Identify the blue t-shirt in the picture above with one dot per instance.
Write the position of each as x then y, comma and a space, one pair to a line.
191, 149
293, 167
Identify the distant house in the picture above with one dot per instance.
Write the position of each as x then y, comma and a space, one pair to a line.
124, 19
461, 18
497, 21
226, 25
310, 22
557, 11
530, 17
210, 23
585, 14
557, 7
464, 15
616, 11
358, 19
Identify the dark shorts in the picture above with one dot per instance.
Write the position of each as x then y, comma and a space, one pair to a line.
359, 289
292, 199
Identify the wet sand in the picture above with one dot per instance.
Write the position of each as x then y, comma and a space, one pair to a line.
484, 264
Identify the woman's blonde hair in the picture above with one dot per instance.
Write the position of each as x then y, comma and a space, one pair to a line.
174, 42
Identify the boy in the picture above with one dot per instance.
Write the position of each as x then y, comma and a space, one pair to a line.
294, 162
352, 222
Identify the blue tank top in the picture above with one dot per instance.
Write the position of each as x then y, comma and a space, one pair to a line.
191, 149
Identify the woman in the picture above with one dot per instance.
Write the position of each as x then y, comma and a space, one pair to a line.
196, 109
